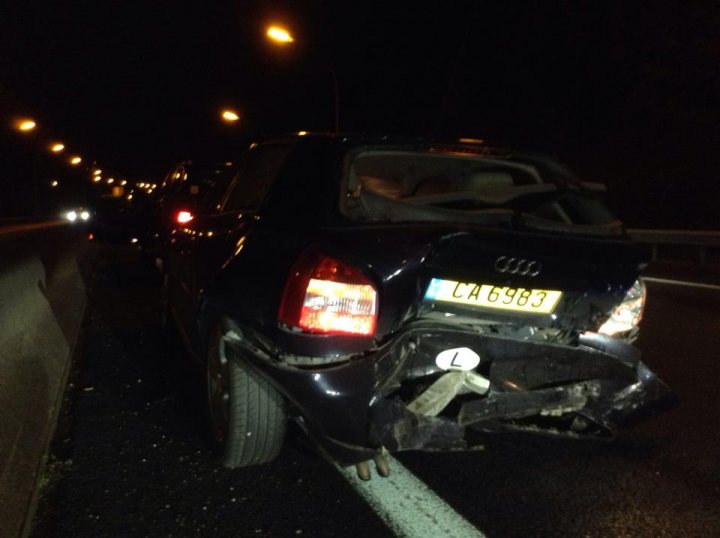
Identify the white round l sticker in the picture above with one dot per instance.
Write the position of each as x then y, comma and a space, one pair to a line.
461, 358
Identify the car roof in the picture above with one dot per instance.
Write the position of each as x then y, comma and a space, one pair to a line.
460, 145
202, 165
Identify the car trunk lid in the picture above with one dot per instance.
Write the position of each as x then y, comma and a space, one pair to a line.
579, 279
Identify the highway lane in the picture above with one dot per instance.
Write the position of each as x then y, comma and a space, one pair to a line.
130, 459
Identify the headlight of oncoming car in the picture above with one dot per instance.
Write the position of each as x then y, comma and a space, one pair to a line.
77, 215
627, 315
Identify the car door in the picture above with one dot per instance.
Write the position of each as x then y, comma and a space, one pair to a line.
220, 224
225, 228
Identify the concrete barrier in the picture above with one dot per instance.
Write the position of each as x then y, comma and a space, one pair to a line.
42, 301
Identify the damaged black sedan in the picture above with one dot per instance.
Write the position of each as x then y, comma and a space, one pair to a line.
395, 295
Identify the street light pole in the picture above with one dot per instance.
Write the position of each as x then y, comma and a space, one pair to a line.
336, 91
281, 37
27, 127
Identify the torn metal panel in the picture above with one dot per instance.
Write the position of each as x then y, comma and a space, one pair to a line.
399, 397
399, 429
511, 405
518, 374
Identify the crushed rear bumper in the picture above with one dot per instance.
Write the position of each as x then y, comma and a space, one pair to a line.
356, 407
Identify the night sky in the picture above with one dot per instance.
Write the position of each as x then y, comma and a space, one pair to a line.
627, 93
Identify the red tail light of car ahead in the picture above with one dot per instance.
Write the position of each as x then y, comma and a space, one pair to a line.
328, 296
183, 217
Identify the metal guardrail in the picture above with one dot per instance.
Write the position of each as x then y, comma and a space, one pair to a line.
677, 237
702, 241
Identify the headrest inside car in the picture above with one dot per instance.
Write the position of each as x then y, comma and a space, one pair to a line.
478, 181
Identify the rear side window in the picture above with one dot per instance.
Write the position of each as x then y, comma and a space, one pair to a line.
201, 180
252, 183
172, 180
195, 179
212, 192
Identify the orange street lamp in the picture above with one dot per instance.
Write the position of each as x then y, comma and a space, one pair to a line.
279, 35
25, 125
97, 172
75, 160
229, 116
57, 148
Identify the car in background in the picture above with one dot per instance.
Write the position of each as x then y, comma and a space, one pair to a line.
405, 294
77, 215
120, 219
185, 190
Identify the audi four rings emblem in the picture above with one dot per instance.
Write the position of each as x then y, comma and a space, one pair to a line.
517, 266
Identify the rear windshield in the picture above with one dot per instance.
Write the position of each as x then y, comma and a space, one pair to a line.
196, 179
203, 179
399, 185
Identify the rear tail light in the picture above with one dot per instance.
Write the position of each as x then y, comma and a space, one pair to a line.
183, 217
627, 315
328, 296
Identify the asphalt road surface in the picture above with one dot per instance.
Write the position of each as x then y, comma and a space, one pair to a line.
130, 457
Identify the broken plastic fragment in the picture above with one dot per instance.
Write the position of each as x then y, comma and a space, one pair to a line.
438, 395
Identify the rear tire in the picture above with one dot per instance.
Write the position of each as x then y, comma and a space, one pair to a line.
247, 415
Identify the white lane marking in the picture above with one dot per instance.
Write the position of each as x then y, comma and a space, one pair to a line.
408, 506
680, 283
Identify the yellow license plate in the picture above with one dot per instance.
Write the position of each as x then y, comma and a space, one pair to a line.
489, 296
